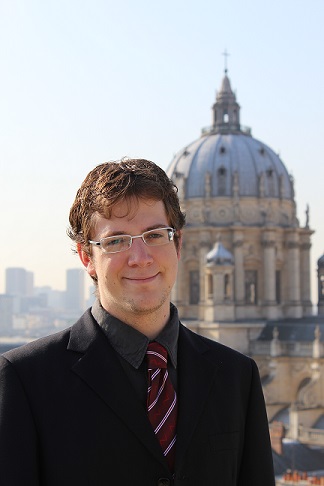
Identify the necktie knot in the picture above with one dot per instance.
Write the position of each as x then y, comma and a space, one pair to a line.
157, 356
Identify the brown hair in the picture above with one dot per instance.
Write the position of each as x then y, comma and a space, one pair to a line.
111, 182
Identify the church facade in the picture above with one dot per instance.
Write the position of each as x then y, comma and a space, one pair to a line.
244, 273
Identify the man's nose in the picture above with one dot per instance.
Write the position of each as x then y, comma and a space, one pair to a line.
139, 253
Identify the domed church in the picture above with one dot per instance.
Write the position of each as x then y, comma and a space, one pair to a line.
245, 257
244, 273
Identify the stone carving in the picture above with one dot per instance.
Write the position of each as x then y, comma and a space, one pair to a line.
308, 395
235, 186
307, 216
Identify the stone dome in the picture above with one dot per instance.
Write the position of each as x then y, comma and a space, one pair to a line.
227, 161
219, 255
320, 261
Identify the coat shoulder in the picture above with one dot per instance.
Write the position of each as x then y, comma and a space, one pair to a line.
214, 350
42, 349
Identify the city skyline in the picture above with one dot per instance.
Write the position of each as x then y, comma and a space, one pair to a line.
82, 84
30, 311
20, 281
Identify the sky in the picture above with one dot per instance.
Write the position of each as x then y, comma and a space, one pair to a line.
83, 82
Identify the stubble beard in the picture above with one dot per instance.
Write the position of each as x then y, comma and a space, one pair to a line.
144, 310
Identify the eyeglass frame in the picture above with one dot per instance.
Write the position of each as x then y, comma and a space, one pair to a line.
171, 231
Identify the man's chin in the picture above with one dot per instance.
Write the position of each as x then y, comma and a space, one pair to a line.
145, 307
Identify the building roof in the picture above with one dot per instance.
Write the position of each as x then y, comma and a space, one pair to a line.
297, 456
296, 330
320, 261
219, 255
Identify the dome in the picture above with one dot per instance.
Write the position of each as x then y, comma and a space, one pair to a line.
227, 161
219, 255
320, 261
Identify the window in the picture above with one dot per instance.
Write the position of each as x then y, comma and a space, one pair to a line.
210, 285
227, 287
270, 180
251, 287
194, 287
221, 181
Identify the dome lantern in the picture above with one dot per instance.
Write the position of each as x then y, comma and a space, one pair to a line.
226, 110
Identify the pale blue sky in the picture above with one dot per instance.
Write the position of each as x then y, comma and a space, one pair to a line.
82, 82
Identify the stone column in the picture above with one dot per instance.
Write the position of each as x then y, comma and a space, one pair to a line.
239, 268
293, 422
305, 275
204, 247
269, 262
269, 271
294, 308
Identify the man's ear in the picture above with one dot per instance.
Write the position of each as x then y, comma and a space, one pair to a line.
86, 260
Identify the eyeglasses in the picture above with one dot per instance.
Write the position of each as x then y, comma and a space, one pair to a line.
115, 244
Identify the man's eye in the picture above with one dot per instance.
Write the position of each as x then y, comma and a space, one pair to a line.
115, 241
155, 235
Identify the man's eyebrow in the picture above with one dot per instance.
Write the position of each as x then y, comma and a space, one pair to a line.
155, 226
121, 232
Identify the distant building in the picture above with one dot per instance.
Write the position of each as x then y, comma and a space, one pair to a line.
6, 313
55, 299
74, 296
19, 282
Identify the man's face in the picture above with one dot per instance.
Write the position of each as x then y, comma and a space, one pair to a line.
138, 281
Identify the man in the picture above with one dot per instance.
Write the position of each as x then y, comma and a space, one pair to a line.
86, 407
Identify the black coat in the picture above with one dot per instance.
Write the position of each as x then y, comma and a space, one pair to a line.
69, 416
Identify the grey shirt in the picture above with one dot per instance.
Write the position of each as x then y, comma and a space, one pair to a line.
130, 346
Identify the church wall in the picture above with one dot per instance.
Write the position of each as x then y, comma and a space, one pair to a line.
289, 264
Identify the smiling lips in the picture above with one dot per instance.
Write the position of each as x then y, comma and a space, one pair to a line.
142, 279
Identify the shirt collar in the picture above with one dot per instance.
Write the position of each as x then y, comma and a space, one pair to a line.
131, 344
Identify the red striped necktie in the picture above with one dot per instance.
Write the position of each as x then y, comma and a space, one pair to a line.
161, 401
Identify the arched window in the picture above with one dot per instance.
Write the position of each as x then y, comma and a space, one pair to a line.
270, 181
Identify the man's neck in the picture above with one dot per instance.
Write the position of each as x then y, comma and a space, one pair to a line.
148, 323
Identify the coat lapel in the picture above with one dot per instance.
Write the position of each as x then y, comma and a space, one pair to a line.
100, 369
195, 378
